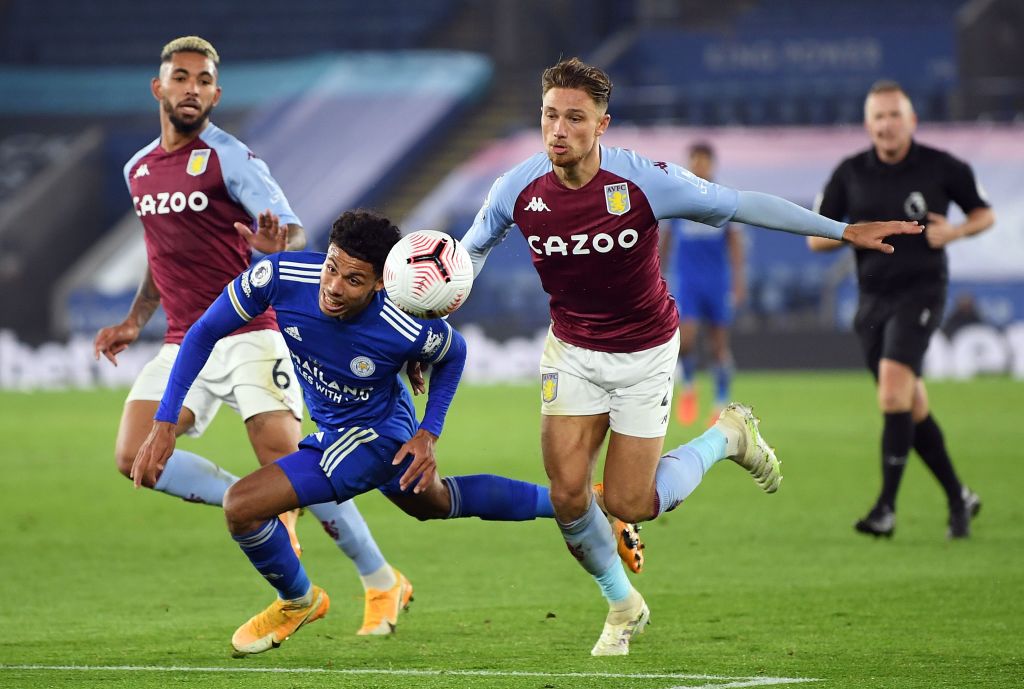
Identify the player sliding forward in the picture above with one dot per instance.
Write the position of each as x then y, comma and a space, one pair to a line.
348, 343
590, 215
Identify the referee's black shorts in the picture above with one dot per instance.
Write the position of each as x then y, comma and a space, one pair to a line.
898, 325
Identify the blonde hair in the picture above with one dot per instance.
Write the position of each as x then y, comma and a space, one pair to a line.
191, 44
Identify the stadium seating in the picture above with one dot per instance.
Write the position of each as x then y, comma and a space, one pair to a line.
789, 62
73, 32
22, 156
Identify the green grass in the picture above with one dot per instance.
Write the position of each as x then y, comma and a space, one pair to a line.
739, 583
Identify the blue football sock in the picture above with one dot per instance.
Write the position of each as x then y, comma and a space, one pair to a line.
591, 541
681, 470
689, 363
723, 381
194, 478
347, 528
270, 551
497, 498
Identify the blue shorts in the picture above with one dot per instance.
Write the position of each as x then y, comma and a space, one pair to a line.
707, 301
334, 467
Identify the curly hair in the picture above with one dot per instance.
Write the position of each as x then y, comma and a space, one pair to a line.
365, 235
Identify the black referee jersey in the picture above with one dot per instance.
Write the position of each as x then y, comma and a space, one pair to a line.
864, 189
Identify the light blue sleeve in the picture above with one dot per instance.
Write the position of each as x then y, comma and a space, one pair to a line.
494, 220
249, 181
673, 191
776, 213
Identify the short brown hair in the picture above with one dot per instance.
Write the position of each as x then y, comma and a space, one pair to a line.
576, 74
190, 44
886, 86
702, 148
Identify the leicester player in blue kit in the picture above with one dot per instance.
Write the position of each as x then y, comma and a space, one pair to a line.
348, 343
708, 282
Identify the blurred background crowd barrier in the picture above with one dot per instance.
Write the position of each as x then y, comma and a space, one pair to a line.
414, 107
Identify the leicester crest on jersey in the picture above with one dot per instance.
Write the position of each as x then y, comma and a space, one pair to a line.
616, 198
362, 366
198, 161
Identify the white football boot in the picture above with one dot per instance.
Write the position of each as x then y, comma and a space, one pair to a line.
621, 626
753, 453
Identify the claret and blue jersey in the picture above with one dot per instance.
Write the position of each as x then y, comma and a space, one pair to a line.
596, 248
188, 201
349, 369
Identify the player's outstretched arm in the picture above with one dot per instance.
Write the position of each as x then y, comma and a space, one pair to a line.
869, 235
113, 340
823, 244
153, 454
777, 213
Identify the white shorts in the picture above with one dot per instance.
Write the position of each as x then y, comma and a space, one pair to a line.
633, 388
251, 372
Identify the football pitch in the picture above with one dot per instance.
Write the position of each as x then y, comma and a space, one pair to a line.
105, 586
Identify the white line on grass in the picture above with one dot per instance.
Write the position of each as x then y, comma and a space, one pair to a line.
731, 682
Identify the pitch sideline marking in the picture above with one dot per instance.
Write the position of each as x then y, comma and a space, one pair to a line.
732, 682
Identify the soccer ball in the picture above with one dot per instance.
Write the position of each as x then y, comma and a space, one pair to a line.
428, 274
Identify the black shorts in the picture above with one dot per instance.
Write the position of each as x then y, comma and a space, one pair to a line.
899, 325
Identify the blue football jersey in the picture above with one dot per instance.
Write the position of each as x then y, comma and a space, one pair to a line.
699, 252
349, 369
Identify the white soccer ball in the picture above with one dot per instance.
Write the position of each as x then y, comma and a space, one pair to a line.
428, 274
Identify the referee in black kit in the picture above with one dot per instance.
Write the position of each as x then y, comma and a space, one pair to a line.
902, 295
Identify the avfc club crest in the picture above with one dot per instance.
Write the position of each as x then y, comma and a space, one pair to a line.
616, 198
198, 161
549, 387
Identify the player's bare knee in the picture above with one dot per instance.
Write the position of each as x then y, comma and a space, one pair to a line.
124, 463
892, 402
125, 458
424, 512
570, 502
628, 508
238, 511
